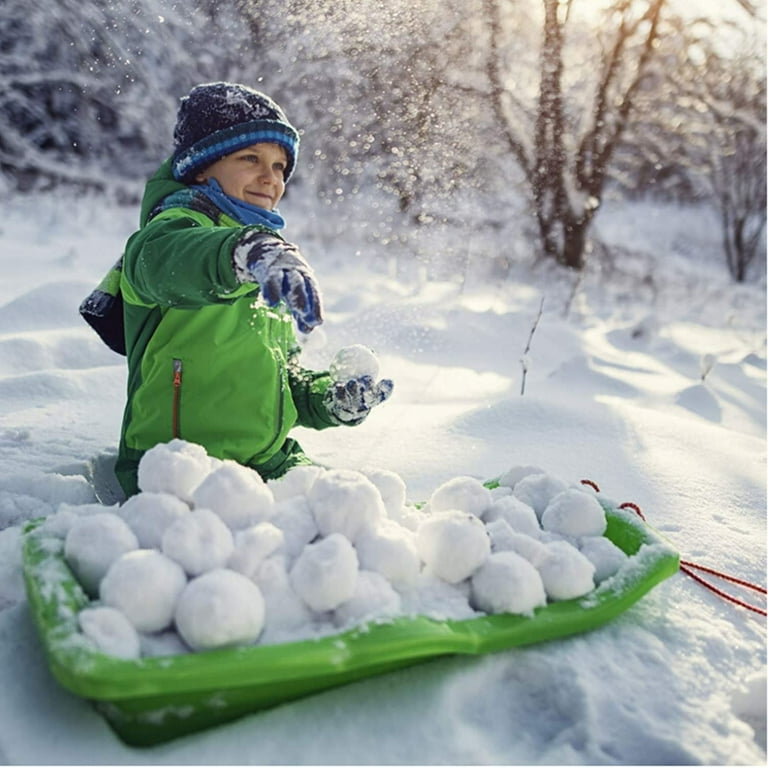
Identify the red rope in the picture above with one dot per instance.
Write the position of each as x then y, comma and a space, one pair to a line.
631, 505
687, 567
725, 576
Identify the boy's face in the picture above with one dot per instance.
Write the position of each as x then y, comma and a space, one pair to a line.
254, 175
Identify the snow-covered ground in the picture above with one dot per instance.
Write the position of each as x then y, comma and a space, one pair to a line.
647, 376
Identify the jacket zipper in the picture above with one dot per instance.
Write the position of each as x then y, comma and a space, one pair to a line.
176, 395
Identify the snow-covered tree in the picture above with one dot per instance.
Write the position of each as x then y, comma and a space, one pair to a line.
88, 86
725, 98
699, 133
566, 141
373, 80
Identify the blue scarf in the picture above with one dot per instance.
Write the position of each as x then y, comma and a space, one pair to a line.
242, 212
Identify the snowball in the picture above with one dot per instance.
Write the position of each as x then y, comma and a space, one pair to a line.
237, 494
566, 573
294, 518
514, 475
295, 482
149, 514
220, 609
176, 467
505, 539
507, 583
166, 643
374, 598
574, 512
516, 513
253, 546
391, 487
66, 515
285, 611
409, 517
525, 546
463, 493
437, 599
390, 551
354, 362
604, 555
325, 573
93, 544
110, 631
453, 544
198, 542
347, 502
144, 585
537, 491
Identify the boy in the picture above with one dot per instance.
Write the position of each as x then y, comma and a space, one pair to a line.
209, 290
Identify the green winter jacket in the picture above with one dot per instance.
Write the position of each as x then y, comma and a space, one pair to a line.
208, 361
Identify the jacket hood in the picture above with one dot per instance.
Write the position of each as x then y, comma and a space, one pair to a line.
158, 188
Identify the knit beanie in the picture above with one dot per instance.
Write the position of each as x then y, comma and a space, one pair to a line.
216, 119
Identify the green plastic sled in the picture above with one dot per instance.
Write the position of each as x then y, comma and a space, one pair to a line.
155, 699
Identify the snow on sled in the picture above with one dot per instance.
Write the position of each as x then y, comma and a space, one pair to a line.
154, 699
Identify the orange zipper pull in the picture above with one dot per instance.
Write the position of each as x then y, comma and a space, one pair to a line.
176, 395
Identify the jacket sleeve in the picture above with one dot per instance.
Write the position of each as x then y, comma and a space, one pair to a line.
175, 261
308, 389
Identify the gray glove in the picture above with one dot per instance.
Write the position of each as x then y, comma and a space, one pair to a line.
282, 274
350, 402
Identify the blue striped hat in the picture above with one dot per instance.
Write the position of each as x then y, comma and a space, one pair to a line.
216, 119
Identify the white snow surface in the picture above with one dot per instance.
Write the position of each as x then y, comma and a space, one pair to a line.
614, 393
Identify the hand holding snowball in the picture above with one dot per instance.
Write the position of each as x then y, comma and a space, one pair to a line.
355, 391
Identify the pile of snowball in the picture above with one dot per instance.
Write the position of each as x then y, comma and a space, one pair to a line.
208, 555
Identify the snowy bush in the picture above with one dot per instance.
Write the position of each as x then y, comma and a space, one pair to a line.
319, 551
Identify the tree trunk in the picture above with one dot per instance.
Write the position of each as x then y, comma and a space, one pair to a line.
575, 241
